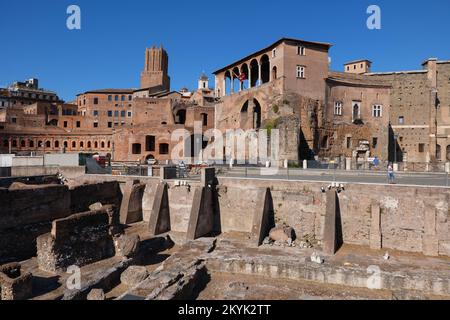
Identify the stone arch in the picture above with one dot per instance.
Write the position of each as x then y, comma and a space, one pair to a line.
265, 69
254, 71
244, 115
274, 73
228, 84
245, 70
438, 152
257, 116
236, 82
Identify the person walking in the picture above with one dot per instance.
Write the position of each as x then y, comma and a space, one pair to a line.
391, 175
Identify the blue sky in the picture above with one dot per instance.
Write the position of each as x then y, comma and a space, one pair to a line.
108, 52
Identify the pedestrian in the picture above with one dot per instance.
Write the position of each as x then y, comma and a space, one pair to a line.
391, 175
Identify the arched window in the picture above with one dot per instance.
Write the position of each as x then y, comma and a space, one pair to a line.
40, 144
23, 144
56, 144
66, 144
254, 73
48, 144
96, 145
204, 119
274, 73
228, 84
438, 152
74, 144
31, 143
244, 115
14, 143
103, 144
109, 144
5, 143
89, 145
81, 144
256, 114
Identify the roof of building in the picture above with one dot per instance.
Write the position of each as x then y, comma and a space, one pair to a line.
357, 61
108, 91
356, 79
323, 44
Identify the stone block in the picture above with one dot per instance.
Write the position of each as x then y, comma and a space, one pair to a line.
160, 216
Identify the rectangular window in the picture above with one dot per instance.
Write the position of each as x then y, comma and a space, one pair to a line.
136, 148
374, 142
163, 148
338, 108
78, 124
14, 120
129, 114
110, 113
109, 124
116, 98
349, 142
150, 143
421, 147
65, 124
95, 113
301, 72
301, 51
95, 100
401, 120
130, 98
116, 113
123, 98
110, 98
95, 124
123, 114
377, 111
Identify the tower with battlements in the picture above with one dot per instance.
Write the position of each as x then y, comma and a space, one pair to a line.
155, 73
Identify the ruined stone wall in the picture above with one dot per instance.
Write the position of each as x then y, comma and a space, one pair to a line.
81, 197
413, 219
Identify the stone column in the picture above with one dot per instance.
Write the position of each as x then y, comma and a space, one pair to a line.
232, 83
329, 231
259, 74
249, 76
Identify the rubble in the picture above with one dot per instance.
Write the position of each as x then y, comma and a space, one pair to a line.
96, 295
133, 276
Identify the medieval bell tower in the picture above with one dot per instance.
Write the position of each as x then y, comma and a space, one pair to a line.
155, 74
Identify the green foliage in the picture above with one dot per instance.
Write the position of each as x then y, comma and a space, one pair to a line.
271, 124
275, 109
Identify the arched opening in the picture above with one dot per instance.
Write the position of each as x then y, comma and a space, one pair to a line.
150, 157
89, 145
14, 143
5, 143
236, 82
103, 144
448, 153
96, 145
244, 76
244, 115
74, 144
265, 69
109, 144
438, 152
81, 144
256, 114
227, 83
180, 117
66, 144
31, 143
274, 73
356, 111
23, 144
254, 73
56, 144
40, 144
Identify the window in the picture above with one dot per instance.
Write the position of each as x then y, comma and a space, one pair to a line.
349, 142
163, 148
301, 72
22, 144
109, 124
110, 98
95, 113
116, 98
374, 142
205, 119
136, 148
401, 120
129, 114
377, 111
130, 97
14, 143
74, 144
338, 108
95, 124
89, 145
66, 145
123, 114
274, 53
150, 143
123, 98
56, 144
78, 124
65, 124
301, 51
14, 120
116, 113
110, 113
95, 100
81, 144
421, 147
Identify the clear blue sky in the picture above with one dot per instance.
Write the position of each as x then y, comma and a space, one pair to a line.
108, 52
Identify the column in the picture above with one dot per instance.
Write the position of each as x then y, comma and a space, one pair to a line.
232, 83
224, 92
259, 74
249, 76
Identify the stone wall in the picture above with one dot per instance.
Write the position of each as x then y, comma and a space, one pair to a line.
85, 195
412, 219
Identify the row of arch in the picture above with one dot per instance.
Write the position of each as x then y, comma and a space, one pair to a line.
256, 73
41, 144
439, 153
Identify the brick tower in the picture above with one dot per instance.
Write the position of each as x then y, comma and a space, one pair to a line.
155, 73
